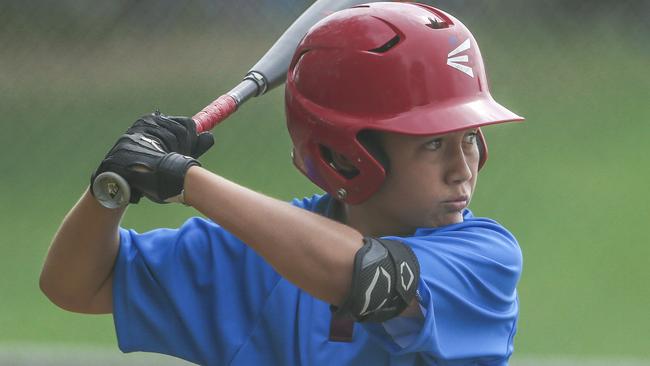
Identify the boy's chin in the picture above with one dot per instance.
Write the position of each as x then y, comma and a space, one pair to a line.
449, 218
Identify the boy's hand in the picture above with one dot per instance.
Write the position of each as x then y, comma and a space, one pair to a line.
154, 155
177, 134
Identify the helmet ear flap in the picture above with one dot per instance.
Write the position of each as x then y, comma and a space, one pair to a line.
482, 148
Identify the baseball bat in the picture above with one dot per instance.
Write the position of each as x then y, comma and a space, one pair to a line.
112, 191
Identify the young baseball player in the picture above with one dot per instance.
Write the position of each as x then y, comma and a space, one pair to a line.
384, 103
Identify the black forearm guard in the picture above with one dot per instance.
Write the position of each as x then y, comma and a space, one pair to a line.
384, 280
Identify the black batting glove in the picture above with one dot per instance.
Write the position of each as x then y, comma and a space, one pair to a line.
177, 134
154, 155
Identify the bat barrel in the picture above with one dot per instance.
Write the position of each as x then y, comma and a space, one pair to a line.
275, 63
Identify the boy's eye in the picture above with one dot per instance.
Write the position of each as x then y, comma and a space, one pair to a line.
470, 138
433, 144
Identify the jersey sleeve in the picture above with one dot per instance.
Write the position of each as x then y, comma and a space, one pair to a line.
467, 293
180, 292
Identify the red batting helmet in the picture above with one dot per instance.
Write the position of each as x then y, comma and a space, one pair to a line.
398, 67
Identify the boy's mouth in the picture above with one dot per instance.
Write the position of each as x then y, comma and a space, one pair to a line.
456, 203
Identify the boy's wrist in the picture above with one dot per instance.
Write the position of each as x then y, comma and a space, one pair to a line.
190, 176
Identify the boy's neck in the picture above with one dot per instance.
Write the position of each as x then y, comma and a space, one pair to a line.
371, 222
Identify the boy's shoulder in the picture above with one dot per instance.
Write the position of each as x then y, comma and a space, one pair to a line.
470, 224
475, 237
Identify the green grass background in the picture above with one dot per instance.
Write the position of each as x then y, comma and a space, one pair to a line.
571, 182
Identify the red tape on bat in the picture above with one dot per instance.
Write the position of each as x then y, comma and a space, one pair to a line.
214, 113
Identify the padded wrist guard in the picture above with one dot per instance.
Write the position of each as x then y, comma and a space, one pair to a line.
384, 280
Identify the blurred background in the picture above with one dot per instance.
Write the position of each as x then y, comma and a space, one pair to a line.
571, 182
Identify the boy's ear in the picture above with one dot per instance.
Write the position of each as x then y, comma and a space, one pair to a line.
339, 162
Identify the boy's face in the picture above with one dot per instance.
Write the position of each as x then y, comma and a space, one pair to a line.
430, 180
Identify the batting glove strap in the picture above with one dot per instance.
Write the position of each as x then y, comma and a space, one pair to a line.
171, 176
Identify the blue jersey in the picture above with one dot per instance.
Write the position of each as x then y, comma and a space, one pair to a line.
200, 294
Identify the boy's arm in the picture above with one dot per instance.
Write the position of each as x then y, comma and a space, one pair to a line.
78, 268
313, 252
77, 274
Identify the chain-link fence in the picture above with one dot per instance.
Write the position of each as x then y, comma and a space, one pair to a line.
570, 182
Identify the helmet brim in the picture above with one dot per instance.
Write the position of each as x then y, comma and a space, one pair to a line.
448, 117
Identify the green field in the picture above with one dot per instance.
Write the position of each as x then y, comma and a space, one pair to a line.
571, 182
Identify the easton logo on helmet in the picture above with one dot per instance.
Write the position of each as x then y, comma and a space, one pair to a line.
453, 61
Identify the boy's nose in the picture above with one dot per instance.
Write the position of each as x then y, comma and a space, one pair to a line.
458, 169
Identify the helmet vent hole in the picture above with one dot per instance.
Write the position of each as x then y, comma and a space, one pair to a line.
386, 46
435, 23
